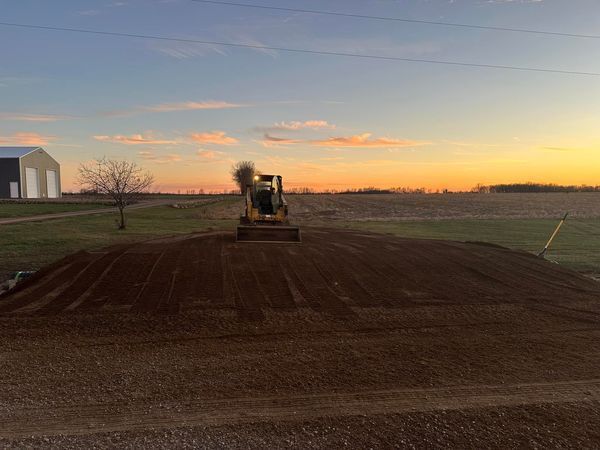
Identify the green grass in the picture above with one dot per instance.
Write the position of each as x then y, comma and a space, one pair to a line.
577, 246
34, 209
29, 246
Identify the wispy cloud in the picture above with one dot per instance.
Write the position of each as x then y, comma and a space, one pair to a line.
560, 149
299, 125
208, 154
462, 144
134, 139
89, 12
201, 156
176, 106
512, 1
255, 45
27, 138
332, 158
160, 159
23, 117
7, 81
190, 106
213, 137
365, 140
356, 141
272, 141
153, 138
380, 45
184, 50
95, 12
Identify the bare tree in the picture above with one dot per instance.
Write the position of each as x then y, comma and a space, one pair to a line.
242, 172
123, 181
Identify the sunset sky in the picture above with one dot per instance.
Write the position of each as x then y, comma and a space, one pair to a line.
186, 111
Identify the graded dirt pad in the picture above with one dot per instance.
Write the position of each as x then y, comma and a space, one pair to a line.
347, 338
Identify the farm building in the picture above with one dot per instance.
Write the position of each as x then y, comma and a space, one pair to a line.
28, 172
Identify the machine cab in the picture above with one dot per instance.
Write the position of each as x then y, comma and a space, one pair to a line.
267, 194
266, 215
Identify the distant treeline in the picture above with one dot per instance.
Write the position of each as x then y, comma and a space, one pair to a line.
532, 187
479, 189
364, 190
393, 190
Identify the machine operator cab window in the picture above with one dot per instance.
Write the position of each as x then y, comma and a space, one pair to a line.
267, 196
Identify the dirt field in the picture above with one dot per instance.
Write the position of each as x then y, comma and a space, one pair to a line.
347, 339
391, 207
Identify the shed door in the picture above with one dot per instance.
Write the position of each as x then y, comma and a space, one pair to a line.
14, 189
52, 183
33, 186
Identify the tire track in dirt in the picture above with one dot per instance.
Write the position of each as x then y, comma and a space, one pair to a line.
479, 267
507, 276
47, 286
562, 279
187, 272
448, 281
136, 274
82, 283
392, 285
292, 277
208, 282
408, 272
113, 283
248, 293
229, 290
95, 297
566, 312
168, 303
313, 286
507, 262
352, 285
181, 284
266, 266
94, 418
482, 274
160, 281
354, 280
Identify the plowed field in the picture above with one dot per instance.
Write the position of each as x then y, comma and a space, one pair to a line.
328, 208
346, 339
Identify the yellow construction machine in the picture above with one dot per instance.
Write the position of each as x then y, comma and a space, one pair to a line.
266, 216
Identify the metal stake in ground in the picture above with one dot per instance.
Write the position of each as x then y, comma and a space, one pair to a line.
543, 252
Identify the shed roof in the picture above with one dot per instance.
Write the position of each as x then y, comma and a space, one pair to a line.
15, 152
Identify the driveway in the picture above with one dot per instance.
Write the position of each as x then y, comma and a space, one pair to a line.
90, 212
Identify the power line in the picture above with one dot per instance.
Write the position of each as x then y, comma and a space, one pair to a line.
298, 50
399, 19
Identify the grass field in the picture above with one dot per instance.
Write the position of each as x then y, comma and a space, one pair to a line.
34, 209
32, 245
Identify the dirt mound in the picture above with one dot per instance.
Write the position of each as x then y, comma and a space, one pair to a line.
348, 339
333, 272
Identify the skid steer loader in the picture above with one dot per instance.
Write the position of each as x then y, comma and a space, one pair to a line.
266, 216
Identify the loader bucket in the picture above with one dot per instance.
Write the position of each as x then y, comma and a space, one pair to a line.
267, 233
